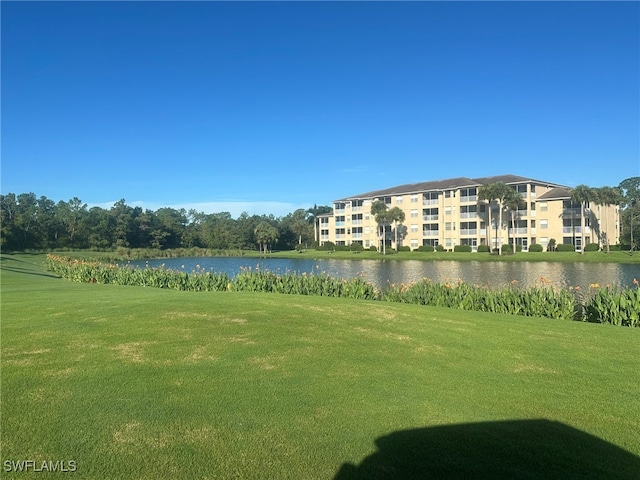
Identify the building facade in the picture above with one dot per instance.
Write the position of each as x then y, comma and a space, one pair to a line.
449, 213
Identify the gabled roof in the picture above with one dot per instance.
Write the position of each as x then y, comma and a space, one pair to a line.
556, 194
447, 184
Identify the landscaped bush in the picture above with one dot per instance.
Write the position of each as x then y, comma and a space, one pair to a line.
535, 247
483, 249
356, 247
620, 248
565, 247
592, 247
424, 248
404, 248
342, 248
507, 249
462, 248
439, 248
373, 248
327, 246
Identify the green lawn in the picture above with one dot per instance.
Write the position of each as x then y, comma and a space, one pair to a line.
561, 257
132, 382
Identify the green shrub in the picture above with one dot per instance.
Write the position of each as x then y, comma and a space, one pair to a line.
356, 247
535, 247
342, 248
462, 248
565, 247
404, 248
327, 246
592, 247
439, 248
373, 248
424, 248
614, 306
507, 248
483, 249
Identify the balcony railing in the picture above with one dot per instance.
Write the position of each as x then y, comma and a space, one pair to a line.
430, 233
576, 229
468, 214
356, 222
519, 230
430, 217
430, 201
337, 211
468, 231
469, 198
340, 224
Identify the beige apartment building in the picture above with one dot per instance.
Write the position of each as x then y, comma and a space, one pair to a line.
449, 213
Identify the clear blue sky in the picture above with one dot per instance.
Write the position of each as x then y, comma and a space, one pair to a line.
268, 107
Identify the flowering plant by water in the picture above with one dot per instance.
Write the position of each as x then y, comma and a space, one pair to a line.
616, 306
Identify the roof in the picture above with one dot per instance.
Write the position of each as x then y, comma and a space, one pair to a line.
556, 193
447, 184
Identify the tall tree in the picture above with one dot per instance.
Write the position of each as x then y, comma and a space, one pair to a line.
396, 215
607, 196
513, 201
583, 194
486, 194
265, 234
313, 217
380, 214
299, 223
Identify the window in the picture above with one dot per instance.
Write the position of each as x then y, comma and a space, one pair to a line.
414, 213
544, 223
414, 198
414, 243
543, 206
447, 210
414, 228
398, 200
447, 226
469, 211
447, 194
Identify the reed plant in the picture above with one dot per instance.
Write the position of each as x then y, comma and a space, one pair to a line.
540, 300
613, 305
607, 305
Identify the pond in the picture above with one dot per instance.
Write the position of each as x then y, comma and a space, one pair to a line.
383, 272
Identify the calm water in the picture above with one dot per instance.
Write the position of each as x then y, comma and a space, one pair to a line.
382, 272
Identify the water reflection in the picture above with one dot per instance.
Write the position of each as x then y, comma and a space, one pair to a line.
384, 272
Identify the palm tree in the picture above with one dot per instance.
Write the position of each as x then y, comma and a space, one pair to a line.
396, 215
607, 196
381, 215
313, 214
486, 193
582, 194
265, 233
502, 191
513, 201
497, 192
299, 223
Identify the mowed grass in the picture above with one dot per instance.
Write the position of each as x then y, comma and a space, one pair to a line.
132, 382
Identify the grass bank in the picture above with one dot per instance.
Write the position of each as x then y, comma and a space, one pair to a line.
132, 382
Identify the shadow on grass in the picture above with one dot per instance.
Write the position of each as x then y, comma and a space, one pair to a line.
16, 265
527, 449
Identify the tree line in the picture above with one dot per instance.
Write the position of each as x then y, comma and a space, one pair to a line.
28, 222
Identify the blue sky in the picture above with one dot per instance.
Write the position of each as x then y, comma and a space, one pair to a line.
267, 107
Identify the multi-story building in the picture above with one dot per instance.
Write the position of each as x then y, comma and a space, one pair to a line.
449, 213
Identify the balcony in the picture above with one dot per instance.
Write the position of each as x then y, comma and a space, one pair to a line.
430, 217
356, 235
571, 212
575, 229
338, 211
430, 233
340, 224
469, 198
519, 231
432, 201
356, 222
468, 214
468, 231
